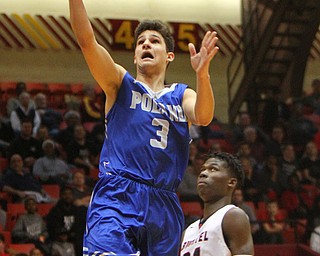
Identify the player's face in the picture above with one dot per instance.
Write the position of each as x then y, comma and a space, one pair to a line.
213, 180
151, 50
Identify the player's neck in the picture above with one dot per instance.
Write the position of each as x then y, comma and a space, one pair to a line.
155, 81
211, 207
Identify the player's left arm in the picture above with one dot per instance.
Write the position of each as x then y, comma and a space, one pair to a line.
199, 105
237, 232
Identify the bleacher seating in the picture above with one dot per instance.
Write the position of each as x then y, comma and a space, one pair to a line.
53, 190
191, 208
7, 236
44, 208
284, 250
34, 88
4, 163
22, 248
7, 89
14, 210
252, 206
77, 89
88, 126
57, 92
6, 196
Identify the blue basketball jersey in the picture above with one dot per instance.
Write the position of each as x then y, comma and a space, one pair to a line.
147, 135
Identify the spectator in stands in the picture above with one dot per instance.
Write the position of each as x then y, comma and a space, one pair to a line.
251, 190
256, 141
212, 133
82, 195
272, 224
61, 246
42, 134
25, 111
3, 213
81, 191
36, 252
6, 135
302, 130
65, 135
49, 117
314, 96
277, 138
313, 225
275, 110
19, 183
30, 227
244, 150
4, 251
188, 188
65, 216
296, 200
97, 135
310, 162
288, 161
315, 240
215, 147
244, 121
26, 146
193, 151
237, 200
3, 246
90, 108
310, 112
316, 139
50, 169
272, 180
305, 177
13, 102
81, 152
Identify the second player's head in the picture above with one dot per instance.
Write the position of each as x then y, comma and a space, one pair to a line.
220, 175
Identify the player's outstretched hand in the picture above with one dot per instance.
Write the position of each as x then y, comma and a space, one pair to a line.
200, 61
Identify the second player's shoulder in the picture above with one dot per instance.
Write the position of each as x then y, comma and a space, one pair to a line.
235, 213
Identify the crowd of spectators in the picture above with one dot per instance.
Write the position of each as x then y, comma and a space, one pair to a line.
279, 153
49, 146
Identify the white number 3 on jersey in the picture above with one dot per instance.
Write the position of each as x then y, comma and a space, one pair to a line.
162, 133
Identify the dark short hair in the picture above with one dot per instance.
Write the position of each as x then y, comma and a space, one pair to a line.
233, 164
158, 26
28, 199
20, 87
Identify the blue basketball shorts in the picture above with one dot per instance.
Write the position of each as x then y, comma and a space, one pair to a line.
126, 217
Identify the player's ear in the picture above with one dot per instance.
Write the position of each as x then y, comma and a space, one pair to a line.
170, 56
134, 60
233, 182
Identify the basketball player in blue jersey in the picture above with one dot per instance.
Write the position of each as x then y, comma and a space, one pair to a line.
224, 229
134, 209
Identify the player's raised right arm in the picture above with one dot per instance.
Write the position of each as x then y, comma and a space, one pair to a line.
105, 71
